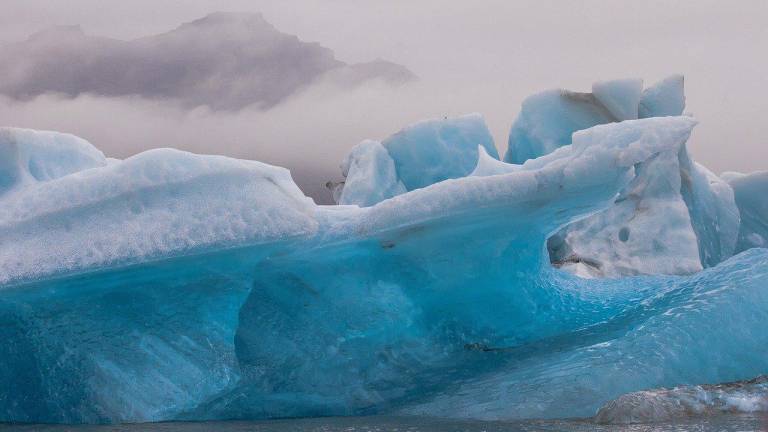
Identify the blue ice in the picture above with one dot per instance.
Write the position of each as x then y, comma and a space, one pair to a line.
178, 286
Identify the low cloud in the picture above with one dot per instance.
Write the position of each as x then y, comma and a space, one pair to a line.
225, 61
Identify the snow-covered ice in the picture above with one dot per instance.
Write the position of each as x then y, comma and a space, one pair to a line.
29, 156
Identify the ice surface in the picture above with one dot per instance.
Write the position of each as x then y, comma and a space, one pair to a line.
159, 203
619, 97
370, 175
421, 154
647, 231
673, 218
435, 150
665, 98
687, 401
698, 329
686, 216
178, 286
29, 156
751, 192
548, 119
139, 343
714, 215
488, 165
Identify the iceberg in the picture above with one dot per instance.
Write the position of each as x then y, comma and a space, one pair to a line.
370, 175
751, 194
665, 98
176, 286
715, 216
686, 215
548, 120
686, 218
422, 154
620, 97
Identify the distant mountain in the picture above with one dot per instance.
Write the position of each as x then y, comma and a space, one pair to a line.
224, 60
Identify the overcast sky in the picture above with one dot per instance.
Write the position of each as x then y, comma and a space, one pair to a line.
470, 56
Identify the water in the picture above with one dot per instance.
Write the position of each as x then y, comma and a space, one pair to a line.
724, 423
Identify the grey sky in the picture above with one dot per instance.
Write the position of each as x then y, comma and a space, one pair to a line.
471, 56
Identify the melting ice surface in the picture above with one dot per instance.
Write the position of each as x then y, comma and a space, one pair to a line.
173, 286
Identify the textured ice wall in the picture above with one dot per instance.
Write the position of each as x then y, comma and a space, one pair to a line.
159, 203
675, 217
685, 216
691, 330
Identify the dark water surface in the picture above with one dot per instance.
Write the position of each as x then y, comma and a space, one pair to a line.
725, 423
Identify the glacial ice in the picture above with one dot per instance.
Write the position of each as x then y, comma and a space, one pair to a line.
370, 175
749, 396
751, 193
156, 204
675, 217
620, 97
665, 98
422, 154
28, 156
647, 230
686, 216
174, 286
435, 150
665, 331
548, 120
715, 217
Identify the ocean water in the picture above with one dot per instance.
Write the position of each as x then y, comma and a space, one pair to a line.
723, 423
